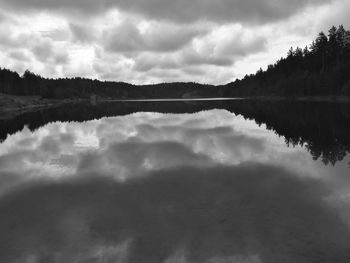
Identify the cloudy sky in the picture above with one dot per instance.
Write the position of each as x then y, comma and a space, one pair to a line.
150, 41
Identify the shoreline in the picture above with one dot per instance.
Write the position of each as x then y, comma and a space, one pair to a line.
11, 105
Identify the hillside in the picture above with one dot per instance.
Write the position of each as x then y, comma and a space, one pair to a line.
321, 69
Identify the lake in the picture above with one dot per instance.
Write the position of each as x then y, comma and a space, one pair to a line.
239, 181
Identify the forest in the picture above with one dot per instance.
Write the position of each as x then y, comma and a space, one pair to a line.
322, 69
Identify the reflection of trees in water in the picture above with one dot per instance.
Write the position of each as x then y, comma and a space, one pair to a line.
322, 128
337, 153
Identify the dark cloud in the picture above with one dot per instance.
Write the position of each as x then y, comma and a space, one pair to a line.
27, 142
244, 48
50, 145
53, 143
136, 157
194, 71
147, 62
194, 59
82, 33
164, 154
242, 141
15, 159
249, 11
6, 40
61, 58
213, 49
159, 38
19, 55
43, 51
2, 17
67, 138
8, 180
249, 211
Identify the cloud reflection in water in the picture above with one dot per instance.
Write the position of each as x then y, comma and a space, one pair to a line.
206, 187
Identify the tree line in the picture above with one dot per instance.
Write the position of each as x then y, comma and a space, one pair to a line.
323, 68
320, 69
30, 84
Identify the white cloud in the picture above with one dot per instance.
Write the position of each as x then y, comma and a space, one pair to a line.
156, 41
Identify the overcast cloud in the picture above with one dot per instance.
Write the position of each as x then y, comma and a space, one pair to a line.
148, 41
250, 11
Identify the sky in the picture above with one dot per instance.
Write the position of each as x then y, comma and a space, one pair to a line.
152, 41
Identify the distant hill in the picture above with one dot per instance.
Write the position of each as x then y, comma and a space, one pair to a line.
321, 69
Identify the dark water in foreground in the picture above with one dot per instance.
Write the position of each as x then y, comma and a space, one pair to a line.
229, 181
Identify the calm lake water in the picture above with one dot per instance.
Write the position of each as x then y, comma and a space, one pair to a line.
216, 181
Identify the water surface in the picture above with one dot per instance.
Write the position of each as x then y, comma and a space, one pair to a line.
218, 181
